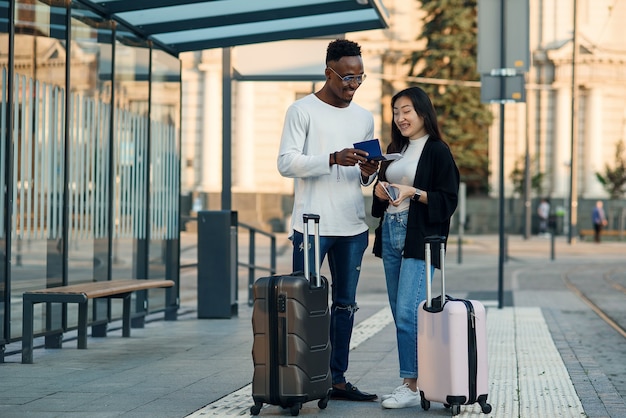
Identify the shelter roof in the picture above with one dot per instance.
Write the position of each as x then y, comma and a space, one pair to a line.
190, 25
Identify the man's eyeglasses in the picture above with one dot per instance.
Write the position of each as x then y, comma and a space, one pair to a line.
349, 78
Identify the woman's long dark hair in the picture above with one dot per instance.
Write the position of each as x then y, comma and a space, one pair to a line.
424, 108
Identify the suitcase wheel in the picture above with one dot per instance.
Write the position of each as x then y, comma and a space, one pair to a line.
425, 404
295, 409
323, 403
485, 407
254, 410
456, 409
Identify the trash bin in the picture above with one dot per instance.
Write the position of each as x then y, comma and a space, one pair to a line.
217, 264
552, 223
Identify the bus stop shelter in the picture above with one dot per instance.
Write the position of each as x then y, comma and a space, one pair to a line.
90, 99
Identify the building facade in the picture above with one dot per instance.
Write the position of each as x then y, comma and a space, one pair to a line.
600, 89
541, 126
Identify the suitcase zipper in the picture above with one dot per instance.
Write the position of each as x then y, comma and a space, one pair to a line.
472, 351
273, 340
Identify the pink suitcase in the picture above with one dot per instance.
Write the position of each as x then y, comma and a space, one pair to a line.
452, 346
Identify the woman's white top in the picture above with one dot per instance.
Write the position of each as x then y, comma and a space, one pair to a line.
403, 171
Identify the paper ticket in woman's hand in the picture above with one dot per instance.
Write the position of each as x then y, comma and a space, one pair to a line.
372, 147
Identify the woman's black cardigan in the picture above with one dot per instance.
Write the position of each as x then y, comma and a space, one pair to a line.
438, 175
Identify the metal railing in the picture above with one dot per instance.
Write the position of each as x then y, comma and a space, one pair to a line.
251, 264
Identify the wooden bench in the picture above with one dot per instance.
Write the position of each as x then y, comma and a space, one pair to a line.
81, 293
583, 233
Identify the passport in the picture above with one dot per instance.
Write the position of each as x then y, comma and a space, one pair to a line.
372, 147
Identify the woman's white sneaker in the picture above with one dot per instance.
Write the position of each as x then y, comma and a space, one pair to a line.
389, 395
402, 397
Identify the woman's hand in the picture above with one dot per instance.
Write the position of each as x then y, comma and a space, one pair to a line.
379, 191
402, 191
407, 192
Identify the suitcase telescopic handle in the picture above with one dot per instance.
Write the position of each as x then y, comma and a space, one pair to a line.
433, 239
316, 244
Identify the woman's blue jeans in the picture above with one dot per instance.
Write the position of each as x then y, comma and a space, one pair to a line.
406, 288
344, 260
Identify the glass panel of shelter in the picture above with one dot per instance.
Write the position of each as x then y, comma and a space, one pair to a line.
4, 73
90, 113
131, 163
38, 158
164, 166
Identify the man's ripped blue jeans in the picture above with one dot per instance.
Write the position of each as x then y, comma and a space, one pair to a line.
345, 255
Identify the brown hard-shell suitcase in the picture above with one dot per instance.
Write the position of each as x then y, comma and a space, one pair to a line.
291, 326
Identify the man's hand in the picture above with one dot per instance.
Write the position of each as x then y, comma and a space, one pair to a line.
353, 156
350, 156
368, 168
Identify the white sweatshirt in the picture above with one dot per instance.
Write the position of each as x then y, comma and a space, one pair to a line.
312, 131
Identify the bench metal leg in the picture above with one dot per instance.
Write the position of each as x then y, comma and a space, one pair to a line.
53, 341
126, 316
99, 330
27, 332
82, 325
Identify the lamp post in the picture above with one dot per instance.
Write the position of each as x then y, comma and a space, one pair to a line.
573, 196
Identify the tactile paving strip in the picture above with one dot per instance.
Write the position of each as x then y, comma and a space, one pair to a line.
238, 403
527, 377
544, 386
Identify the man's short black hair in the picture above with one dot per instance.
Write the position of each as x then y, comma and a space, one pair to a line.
340, 48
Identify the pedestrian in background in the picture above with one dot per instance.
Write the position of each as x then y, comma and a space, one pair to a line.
316, 150
599, 220
427, 182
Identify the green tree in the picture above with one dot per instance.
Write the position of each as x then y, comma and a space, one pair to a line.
614, 178
517, 178
450, 32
